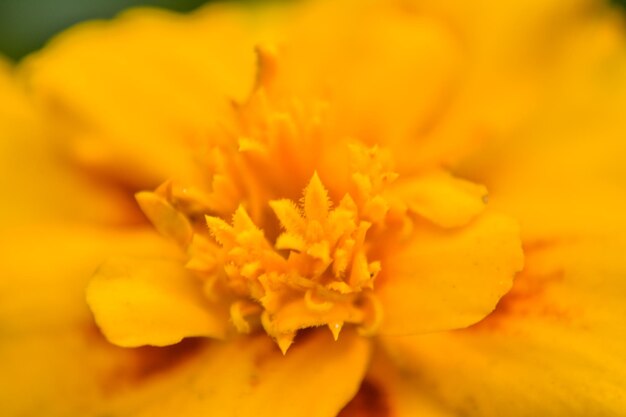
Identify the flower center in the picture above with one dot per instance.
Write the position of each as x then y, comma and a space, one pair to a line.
319, 270
301, 219
320, 267
316, 273
288, 223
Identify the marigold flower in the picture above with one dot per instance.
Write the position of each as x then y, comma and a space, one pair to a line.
267, 218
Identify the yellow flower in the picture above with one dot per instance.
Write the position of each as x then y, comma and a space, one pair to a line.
327, 246
323, 268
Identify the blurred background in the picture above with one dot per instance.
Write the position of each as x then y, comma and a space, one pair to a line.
25, 25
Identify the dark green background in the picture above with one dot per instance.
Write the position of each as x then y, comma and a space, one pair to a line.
25, 25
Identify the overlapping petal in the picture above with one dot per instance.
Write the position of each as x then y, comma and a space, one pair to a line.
441, 198
130, 98
555, 342
46, 267
238, 378
37, 179
157, 302
251, 377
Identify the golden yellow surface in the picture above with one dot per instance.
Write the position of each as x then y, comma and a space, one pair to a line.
354, 208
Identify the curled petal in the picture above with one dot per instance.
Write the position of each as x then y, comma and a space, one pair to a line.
449, 279
441, 198
168, 221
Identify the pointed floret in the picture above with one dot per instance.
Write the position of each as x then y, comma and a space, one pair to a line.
335, 329
289, 215
285, 341
316, 202
221, 231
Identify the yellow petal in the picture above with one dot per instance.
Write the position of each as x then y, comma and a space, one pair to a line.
151, 302
251, 377
38, 183
39, 368
564, 171
244, 377
554, 347
133, 95
45, 269
167, 220
449, 279
389, 390
441, 198
332, 371
50, 345
422, 52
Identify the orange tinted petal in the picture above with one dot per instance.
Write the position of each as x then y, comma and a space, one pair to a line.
244, 377
555, 345
389, 391
251, 377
